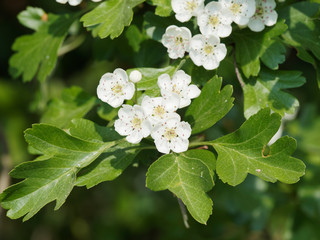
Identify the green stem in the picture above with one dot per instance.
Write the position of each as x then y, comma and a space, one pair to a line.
196, 144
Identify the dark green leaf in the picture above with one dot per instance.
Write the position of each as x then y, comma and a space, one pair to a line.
210, 106
266, 91
252, 46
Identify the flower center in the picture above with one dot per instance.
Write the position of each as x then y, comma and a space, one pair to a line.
208, 49
136, 122
259, 11
179, 40
117, 89
175, 89
191, 5
214, 20
159, 111
170, 133
235, 8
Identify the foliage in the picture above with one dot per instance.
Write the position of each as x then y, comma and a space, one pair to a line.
78, 145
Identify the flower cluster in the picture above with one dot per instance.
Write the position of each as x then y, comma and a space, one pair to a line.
156, 116
74, 2
214, 21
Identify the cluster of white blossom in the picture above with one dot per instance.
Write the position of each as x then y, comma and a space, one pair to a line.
74, 2
214, 21
156, 116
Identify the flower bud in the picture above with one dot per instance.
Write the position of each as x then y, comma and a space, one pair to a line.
135, 76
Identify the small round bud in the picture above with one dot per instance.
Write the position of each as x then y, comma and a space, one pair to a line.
135, 76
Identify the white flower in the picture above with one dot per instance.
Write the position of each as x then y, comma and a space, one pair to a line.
114, 88
241, 10
135, 76
207, 51
215, 20
132, 123
179, 84
264, 15
177, 40
185, 9
172, 134
159, 109
74, 2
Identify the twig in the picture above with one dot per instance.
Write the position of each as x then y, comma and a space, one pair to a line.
238, 74
183, 212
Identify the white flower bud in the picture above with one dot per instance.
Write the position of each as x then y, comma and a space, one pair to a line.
135, 76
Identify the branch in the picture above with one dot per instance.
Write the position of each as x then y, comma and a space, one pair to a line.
238, 74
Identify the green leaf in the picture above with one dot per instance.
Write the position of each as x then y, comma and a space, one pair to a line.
110, 17
51, 176
149, 79
243, 152
32, 18
74, 103
210, 106
303, 26
252, 46
109, 165
188, 175
112, 162
134, 37
163, 8
266, 91
36, 54
90, 131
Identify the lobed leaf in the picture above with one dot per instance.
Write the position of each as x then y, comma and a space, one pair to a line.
243, 152
36, 54
110, 17
210, 106
252, 46
51, 176
188, 175
74, 103
32, 18
266, 91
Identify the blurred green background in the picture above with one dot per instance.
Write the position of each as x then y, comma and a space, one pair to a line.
125, 208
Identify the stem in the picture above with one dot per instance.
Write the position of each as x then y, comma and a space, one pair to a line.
183, 212
183, 61
196, 144
237, 70
71, 44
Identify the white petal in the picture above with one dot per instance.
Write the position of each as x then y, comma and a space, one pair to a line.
62, 1
146, 128
184, 102
164, 80
220, 52
126, 112
157, 131
115, 101
193, 91
162, 145
181, 78
121, 74
270, 18
256, 24
128, 90
171, 103
179, 145
134, 137
122, 128
184, 130
210, 63
224, 30
74, 2
183, 17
